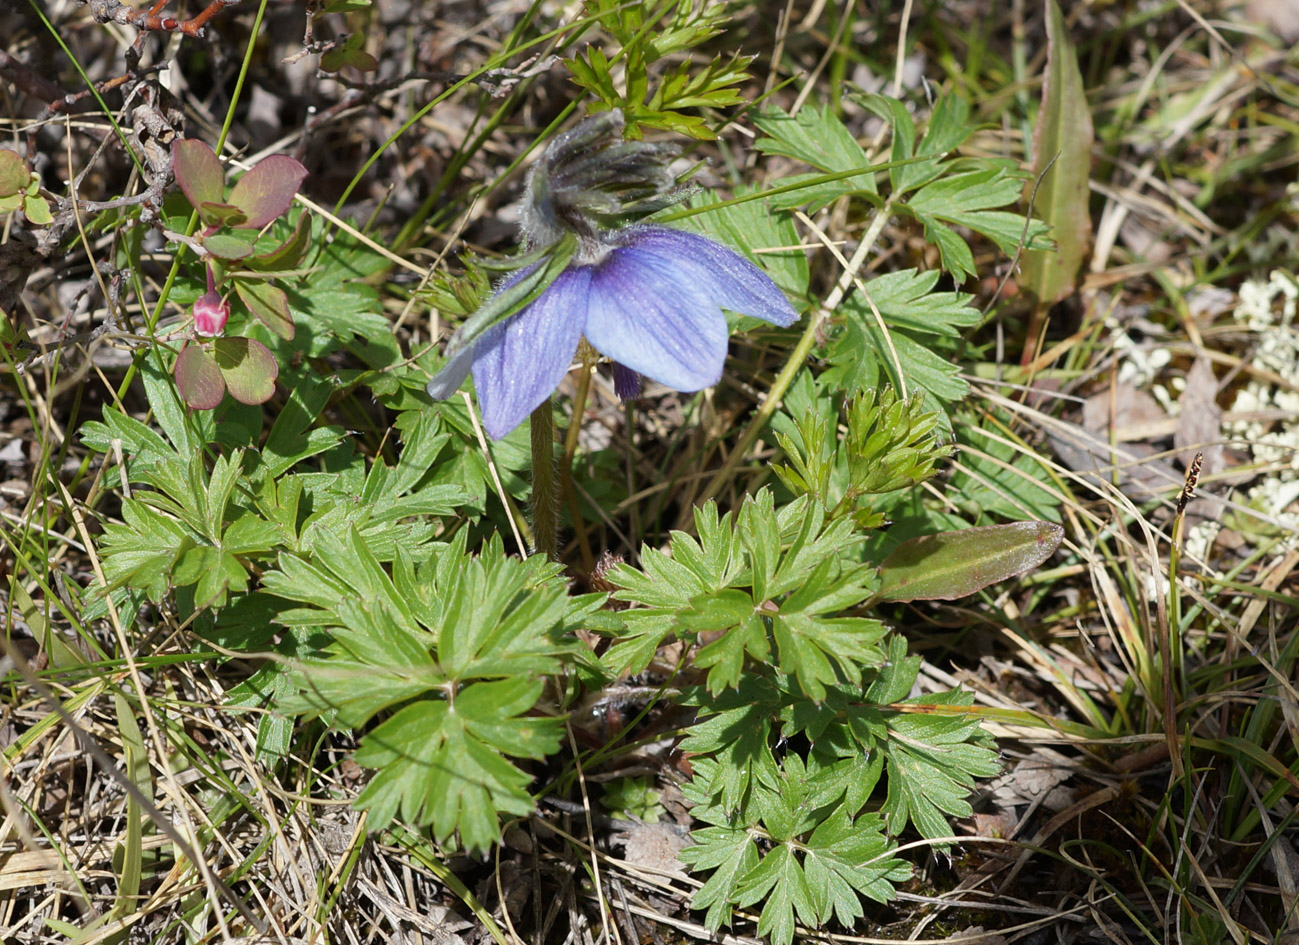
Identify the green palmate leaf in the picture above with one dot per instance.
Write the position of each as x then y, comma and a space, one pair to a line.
1062, 141
944, 192
967, 199
735, 735
846, 859
951, 565
293, 436
780, 881
458, 645
667, 584
142, 551
787, 560
817, 137
213, 571
864, 357
444, 767
932, 761
731, 853
817, 865
710, 87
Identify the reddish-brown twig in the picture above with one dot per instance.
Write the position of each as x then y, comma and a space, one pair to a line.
115, 11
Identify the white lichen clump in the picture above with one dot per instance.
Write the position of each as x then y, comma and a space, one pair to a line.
1269, 309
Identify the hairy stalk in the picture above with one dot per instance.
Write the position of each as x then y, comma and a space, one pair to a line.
566, 468
796, 358
545, 497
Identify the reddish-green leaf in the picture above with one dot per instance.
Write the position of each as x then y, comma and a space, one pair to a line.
351, 54
1063, 134
248, 367
13, 173
228, 245
268, 303
950, 565
267, 190
288, 254
197, 171
215, 213
198, 378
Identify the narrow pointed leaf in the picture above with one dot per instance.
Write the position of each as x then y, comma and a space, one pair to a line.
1063, 133
951, 565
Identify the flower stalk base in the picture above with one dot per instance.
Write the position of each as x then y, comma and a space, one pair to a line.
545, 495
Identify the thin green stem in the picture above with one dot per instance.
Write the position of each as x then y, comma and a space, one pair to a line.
566, 468
545, 495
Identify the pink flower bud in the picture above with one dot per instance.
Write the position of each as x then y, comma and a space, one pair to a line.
210, 314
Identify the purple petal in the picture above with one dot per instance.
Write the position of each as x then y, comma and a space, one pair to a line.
730, 280
518, 364
626, 383
649, 315
448, 380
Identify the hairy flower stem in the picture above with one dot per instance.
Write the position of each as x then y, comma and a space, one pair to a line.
545, 496
797, 357
566, 468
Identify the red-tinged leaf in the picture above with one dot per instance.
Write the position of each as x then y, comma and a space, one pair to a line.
228, 246
215, 213
269, 304
351, 53
951, 565
197, 171
248, 367
333, 60
288, 254
267, 190
1063, 133
198, 378
13, 173
362, 61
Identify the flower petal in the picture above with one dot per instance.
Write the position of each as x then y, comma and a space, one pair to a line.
730, 280
519, 363
626, 383
650, 314
448, 380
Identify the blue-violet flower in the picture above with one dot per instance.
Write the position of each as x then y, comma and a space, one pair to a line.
647, 297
